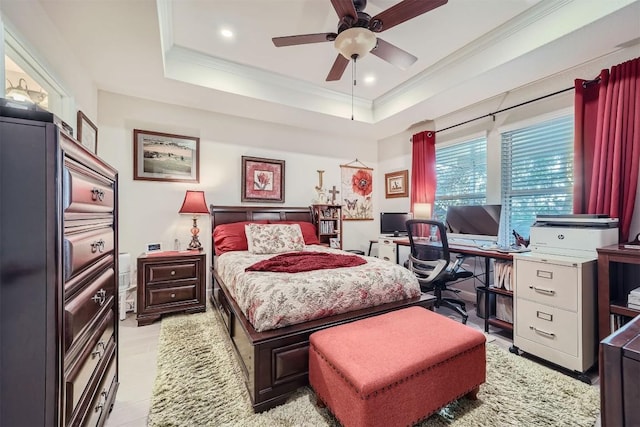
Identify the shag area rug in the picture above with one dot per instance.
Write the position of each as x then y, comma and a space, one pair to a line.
199, 384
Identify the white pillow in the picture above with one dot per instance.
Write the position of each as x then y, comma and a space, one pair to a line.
273, 238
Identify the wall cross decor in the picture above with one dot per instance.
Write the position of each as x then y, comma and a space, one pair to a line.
333, 192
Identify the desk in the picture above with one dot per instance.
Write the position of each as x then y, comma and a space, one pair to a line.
488, 256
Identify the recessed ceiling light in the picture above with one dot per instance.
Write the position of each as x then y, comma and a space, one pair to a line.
226, 33
369, 79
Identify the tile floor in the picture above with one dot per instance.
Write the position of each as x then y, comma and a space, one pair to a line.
138, 355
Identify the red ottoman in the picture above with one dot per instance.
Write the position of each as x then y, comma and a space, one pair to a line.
397, 368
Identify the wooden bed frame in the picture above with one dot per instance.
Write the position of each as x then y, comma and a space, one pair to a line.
275, 363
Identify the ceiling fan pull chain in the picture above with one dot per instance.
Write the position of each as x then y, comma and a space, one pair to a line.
353, 77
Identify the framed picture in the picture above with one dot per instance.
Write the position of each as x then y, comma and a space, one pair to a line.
165, 157
262, 180
334, 242
396, 184
87, 133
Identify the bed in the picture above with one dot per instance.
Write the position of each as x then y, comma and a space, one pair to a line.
274, 360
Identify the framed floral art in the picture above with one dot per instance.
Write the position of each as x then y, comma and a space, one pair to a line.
262, 180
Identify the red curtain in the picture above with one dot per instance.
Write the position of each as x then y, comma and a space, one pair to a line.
607, 147
423, 168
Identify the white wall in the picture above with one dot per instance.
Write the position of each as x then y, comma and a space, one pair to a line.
149, 209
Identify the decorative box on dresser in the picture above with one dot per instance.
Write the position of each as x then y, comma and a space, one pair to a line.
555, 309
58, 276
169, 282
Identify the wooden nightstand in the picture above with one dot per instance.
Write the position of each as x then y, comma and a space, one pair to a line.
169, 282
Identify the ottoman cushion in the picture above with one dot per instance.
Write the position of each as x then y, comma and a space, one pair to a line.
396, 368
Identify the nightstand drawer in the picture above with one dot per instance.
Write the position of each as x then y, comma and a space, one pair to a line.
161, 295
171, 271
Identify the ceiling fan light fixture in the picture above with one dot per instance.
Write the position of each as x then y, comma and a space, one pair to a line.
355, 41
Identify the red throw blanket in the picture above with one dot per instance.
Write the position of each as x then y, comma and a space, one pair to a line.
296, 262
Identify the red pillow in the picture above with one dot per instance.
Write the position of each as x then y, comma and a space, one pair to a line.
308, 231
231, 236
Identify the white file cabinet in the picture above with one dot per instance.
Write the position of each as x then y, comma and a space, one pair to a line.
555, 309
387, 249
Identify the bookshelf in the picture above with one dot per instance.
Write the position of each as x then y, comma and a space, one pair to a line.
614, 284
328, 220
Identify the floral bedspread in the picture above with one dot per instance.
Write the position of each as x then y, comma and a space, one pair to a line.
273, 300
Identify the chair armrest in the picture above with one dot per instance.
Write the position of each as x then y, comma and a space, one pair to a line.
431, 269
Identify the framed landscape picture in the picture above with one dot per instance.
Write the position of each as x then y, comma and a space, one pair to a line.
165, 157
262, 180
87, 133
396, 184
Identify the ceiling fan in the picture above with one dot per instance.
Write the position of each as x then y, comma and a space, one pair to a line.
356, 33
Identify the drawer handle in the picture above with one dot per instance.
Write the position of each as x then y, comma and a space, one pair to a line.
173, 295
102, 401
97, 194
543, 291
173, 272
543, 333
100, 297
98, 352
97, 246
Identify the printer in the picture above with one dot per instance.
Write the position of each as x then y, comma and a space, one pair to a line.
576, 235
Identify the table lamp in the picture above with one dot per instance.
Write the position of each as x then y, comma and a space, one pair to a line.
195, 204
422, 211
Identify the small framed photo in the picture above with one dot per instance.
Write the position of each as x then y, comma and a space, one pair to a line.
153, 247
334, 242
396, 184
165, 157
262, 180
87, 133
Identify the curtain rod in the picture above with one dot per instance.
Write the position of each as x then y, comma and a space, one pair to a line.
584, 84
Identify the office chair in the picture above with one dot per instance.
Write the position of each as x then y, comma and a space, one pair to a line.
430, 262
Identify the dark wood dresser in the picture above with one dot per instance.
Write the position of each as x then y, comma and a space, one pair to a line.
170, 282
620, 376
58, 277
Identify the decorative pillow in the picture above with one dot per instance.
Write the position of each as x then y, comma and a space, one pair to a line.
231, 236
274, 238
308, 231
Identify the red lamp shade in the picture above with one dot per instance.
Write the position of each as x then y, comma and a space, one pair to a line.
194, 203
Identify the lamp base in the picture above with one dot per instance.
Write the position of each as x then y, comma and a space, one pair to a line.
194, 244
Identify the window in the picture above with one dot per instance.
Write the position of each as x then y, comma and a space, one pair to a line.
461, 171
537, 174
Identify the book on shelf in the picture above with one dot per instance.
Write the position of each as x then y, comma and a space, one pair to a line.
634, 244
633, 306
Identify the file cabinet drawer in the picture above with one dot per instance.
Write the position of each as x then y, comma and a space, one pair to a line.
549, 326
551, 284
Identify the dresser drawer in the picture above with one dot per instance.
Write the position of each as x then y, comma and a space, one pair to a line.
83, 249
551, 284
99, 407
85, 306
81, 370
85, 191
161, 272
160, 296
549, 326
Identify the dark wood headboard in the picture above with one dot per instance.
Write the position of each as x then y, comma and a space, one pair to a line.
227, 214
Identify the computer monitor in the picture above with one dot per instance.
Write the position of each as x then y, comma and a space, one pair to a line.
394, 223
477, 222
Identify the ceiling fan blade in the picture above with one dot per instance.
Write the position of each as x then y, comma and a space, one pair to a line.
338, 68
303, 39
393, 54
401, 12
345, 8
